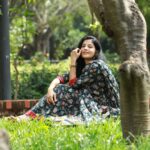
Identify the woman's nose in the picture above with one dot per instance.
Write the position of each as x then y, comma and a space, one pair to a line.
85, 47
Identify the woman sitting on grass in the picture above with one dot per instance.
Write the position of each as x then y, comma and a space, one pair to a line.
89, 92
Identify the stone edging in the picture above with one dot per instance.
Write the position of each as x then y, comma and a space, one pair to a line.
15, 107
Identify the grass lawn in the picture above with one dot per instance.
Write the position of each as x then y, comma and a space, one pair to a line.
44, 135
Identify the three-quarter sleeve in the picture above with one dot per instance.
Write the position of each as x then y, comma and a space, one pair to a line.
63, 78
88, 76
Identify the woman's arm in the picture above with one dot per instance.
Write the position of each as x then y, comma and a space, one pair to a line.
51, 95
72, 74
74, 56
53, 84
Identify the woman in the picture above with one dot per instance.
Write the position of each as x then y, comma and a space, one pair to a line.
88, 92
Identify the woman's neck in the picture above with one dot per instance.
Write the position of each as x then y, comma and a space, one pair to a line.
88, 61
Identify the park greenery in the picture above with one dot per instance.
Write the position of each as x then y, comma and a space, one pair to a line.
36, 75
58, 24
45, 135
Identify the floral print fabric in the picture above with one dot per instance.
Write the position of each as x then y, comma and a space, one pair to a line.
94, 95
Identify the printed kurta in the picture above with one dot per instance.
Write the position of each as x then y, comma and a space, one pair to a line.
93, 96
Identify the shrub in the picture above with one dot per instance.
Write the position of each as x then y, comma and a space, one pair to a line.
35, 79
114, 69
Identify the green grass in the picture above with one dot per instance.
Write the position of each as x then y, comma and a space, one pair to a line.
43, 135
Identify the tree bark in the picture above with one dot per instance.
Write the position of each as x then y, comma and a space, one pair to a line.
127, 26
41, 39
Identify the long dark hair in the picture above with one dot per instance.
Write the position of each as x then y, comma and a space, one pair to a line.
80, 60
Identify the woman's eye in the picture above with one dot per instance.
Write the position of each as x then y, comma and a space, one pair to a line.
90, 46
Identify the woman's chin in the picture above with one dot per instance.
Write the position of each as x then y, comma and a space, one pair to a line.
86, 57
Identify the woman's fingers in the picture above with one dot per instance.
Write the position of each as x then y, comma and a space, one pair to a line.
50, 100
75, 53
77, 50
51, 97
55, 100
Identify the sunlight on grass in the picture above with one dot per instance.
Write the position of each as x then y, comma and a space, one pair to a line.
45, 135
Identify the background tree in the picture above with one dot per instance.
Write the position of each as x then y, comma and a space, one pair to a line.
38, 27
124, 22
44, 23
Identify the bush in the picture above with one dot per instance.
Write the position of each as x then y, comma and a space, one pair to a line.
112, 58
114, 69
34, 78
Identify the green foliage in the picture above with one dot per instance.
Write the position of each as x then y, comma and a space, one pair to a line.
22, 26
73, 28
67, 21
21, 31
112, 58
96, 29
35, 79
36, 75
114, 69
69, 41
113, 61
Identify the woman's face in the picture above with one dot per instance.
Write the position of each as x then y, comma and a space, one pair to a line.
88, 50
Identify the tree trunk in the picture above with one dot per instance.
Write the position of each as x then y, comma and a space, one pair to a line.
52, 50
127, 26
41, 39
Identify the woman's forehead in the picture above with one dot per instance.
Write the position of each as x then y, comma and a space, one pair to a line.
88, 41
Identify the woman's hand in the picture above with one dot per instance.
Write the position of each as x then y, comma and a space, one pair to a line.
75, 55
51, 97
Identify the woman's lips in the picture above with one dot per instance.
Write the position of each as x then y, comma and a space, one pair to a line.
85, 53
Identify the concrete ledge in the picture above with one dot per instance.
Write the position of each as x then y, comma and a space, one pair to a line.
15, 107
